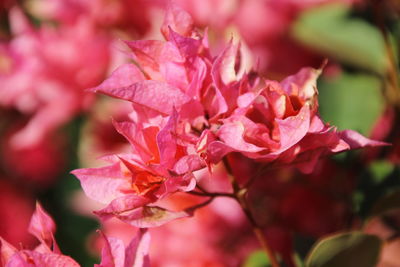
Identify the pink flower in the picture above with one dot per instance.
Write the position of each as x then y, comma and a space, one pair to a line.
130, 16
46, 254
37, 165
13, 224
279, 124
160, 164
190, 110
47, 71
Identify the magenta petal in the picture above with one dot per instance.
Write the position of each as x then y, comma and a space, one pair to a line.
40, 259
216, 150
356, 140
42, 226
102, 184
223, 69
122, 77
6, 250
134, 134
232, 133
188, 47
303, 83
293, 129
137, 252
166, 140
156, 95
113, 252
188, 163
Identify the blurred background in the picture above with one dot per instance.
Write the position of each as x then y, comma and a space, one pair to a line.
51, 51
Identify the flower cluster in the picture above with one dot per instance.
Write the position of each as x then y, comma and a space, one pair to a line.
190, 110
214, 117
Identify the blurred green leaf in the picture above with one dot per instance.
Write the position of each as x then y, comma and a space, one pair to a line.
257, 259
346, 250
351, 101
380, 170
298, 261
331, 31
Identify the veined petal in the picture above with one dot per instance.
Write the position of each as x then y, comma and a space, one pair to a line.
102, 184
122, 77
155, 95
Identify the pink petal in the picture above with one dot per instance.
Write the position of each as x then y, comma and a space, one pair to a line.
188, 47
166, 140
223, 70
102, 184
188, 163
134, 134
197, 78
122, 77
293, 129
7, 251
147, 54
41, 259
155, 95
42, 226
137, 252
303, 83
356, 140
215, 102
179, 20
232, 133
113, 252
216, 150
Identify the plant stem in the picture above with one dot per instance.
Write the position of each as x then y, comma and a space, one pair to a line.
240, 196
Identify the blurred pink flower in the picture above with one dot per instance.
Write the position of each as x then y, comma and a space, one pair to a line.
37, 165
13, 224
47, 71
130, 16
264, 26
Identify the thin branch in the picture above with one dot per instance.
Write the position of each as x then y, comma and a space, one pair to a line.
198, 206
240, 196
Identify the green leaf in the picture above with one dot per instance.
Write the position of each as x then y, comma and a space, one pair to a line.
331, 31
257, 259
351, 101
346, 250
380, 170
